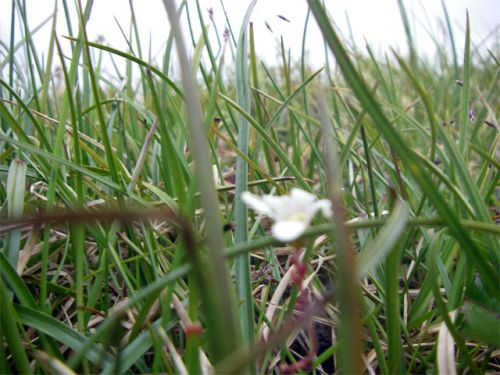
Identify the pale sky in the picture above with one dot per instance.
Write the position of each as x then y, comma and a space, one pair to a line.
376, 20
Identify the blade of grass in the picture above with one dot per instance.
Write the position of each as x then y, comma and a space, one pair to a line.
214, 279
16, 188
132, 58
20, 102
77, 232
15, 282
408, 33
110, 156
9, 330
273, 144
464, 106
444, 313
380, 248
62, 161
451, 35
392, 305
242, 262
347, 286
62, 333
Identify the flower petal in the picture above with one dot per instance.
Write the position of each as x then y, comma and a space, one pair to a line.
325, 205
288, 230
275, 203
256, 203
302, 197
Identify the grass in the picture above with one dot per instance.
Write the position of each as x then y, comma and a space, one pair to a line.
125, 246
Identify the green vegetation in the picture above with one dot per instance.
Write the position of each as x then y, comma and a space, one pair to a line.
126, 246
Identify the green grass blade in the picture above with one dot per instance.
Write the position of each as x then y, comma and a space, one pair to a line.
270, 141
9, 330
408, 32
349, 293
242, 262
212, 274
110, 156
62, 333
380, 248
16, 284
464, 106
479, 322
62, 161
16, 182
451, 35
136, 60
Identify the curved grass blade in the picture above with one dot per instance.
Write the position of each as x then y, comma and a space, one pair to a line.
16, 284
62, 333
61, 160
380, 248
132, 58
9, 330
16, 188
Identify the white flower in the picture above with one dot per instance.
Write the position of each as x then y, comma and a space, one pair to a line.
291, 213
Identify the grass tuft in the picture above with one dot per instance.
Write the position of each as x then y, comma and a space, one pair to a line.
125, 245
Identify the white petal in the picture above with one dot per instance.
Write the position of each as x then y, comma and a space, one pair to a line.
325, 205
256, 203
302, 197
288, 230
281, 207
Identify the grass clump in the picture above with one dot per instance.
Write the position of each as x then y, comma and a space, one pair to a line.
126, 246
